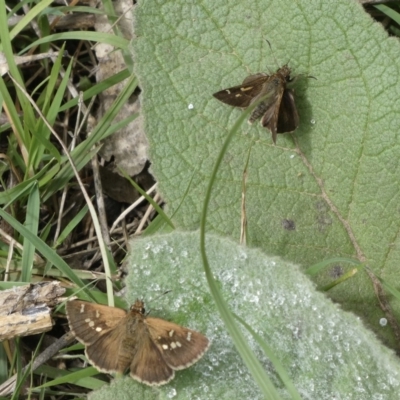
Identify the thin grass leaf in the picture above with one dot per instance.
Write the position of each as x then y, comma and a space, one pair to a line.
29, 119
43, 248
32, 225
275, 360
101, 37
80, 153
343, 278
98, 88
17, 192
159, 210
50, 108
241, 344
71, 226
390, 12
80, 378
28, 17
318, 267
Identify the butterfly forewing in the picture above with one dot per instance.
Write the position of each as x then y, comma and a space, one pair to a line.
180, 346
100, 330
242, 95
90, 321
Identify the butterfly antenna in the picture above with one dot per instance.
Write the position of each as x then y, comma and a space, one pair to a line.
273, 54
162, 294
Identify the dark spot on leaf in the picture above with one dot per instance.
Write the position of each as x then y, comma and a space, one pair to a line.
288, 224
336, 271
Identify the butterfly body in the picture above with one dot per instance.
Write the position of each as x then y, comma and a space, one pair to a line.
116, 340
276, 106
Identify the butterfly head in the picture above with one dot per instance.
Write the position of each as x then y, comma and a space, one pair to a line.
138, 307
284, 72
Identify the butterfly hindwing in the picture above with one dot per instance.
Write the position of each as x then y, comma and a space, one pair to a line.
271, 115
108, 353
148, 364
288, 119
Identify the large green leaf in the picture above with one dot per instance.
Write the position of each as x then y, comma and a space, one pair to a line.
329, 189
327, 352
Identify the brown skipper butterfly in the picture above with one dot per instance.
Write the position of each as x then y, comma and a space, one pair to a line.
116, 340
276, 106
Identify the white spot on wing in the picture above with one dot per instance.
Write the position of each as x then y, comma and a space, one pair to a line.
82, 310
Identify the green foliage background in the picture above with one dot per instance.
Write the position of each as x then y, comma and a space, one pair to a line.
335, 178
326, 352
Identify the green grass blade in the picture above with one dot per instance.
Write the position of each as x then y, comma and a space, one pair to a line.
316, 268
27, 18
81, 378
71, 225
275, 361
101, 37
43, 248
32, 225
392, 14
80, 153
249, 358
98, 88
